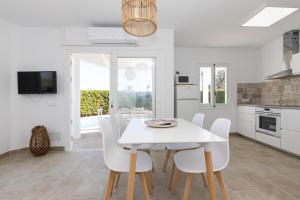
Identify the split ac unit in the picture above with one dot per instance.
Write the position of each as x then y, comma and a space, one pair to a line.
113, 36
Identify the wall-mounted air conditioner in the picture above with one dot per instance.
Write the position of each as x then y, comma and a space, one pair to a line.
110, 36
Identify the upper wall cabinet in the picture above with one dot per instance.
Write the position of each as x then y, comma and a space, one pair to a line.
296, 63
290, 120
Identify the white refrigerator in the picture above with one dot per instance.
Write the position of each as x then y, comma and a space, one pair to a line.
187, 101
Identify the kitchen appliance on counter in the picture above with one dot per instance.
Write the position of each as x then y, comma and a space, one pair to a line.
268, 121
184, 79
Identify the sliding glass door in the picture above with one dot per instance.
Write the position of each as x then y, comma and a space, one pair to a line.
136, 86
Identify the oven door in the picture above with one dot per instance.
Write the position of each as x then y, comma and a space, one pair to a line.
268, 123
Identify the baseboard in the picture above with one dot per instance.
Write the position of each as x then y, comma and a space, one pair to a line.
58, 148
3, 155
17, 151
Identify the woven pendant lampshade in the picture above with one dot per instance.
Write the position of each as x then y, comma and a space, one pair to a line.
139, 17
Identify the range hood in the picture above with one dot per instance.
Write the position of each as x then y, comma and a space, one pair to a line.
290, 47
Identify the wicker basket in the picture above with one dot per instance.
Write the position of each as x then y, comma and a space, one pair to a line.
39, 141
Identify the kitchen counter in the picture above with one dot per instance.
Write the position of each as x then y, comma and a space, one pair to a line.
272, 106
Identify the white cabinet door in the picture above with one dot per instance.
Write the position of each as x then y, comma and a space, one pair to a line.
290, 119
290, 141
296, 63
246, 128
268, 139
246, 121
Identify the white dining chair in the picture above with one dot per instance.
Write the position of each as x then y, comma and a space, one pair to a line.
193, 161
198, 120
118, 159
173, 148
122, 123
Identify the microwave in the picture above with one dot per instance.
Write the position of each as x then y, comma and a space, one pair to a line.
183, 80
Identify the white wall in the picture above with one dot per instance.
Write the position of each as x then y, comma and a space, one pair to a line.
41, 49
271, 58
243, 66
4, 86
37, 49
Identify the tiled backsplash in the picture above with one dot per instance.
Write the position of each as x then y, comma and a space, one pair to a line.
280, 92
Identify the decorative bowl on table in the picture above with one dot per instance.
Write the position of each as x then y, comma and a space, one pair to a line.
161, 123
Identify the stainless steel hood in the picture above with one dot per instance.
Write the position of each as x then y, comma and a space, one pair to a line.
290, 47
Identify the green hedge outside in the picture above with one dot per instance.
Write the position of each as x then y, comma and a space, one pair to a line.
220, 96
92, 100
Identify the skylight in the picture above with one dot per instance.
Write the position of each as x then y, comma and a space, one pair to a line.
268, 16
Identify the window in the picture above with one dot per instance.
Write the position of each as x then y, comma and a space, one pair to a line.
213, 84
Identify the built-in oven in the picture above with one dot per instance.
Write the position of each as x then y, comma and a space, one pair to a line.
268, 121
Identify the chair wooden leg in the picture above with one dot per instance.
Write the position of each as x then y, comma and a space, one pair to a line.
166, 160
222, 185
172, 176
131, 176
113, 180
149, 182
204, 180
109, 186
187, 187
175, 180
117, 180
149, 152
144, 186
210, 175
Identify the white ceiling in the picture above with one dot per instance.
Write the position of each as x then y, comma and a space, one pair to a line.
197, 23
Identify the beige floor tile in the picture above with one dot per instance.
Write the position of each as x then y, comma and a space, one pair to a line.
255, 172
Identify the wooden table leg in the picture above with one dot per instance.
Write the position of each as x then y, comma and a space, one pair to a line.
131, 176
210, 173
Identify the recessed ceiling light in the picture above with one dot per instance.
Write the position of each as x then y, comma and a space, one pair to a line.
268, 16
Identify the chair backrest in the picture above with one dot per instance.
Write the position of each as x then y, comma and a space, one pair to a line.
220, 151
110, 141
198, 119
122, 123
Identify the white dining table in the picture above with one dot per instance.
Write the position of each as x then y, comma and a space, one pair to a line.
137, 133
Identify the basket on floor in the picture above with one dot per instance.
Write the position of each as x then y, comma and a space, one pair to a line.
39, 141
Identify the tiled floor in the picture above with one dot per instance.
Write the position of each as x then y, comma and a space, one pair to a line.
88, 141
255, 172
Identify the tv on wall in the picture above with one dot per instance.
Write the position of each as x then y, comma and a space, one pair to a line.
37, 82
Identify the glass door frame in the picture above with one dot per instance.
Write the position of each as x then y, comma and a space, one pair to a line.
114, 77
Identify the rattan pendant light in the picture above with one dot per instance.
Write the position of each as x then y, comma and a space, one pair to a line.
139, 17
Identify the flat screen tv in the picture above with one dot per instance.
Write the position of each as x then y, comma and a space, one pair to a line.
41, 82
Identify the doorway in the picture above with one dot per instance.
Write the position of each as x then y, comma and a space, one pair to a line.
90, 93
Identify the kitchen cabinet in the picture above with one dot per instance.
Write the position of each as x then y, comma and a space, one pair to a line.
296, 63
290, 141
290, 130
246, 121
290, 119
267, 139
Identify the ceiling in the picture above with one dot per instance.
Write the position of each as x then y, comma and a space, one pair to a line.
197, 23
